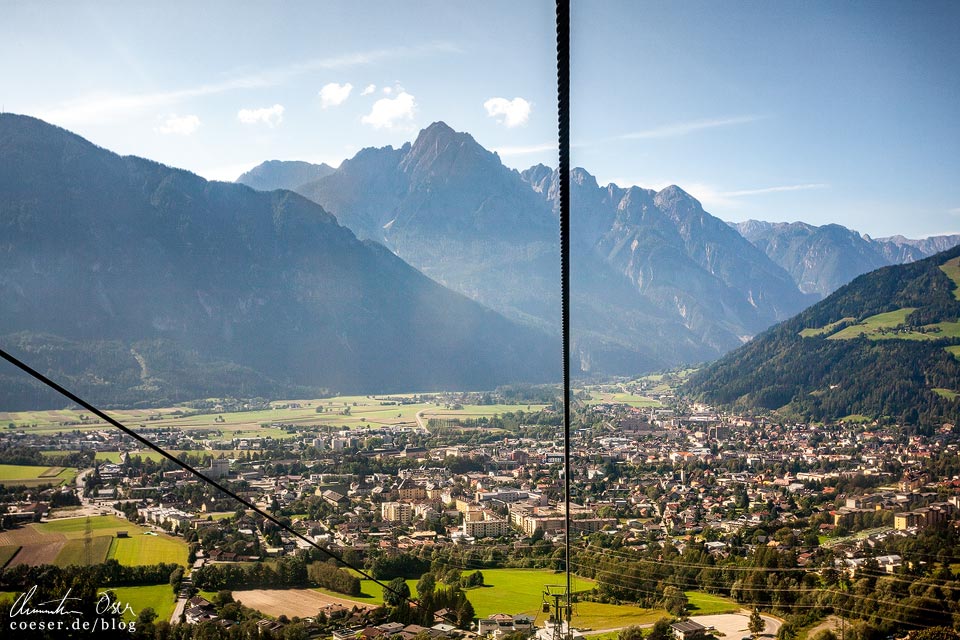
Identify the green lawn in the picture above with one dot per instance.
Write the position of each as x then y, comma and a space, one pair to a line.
82, 551
160, 597
147, 549
954, 351
856, 417
18, 474
946, 393
629, 399
701, 604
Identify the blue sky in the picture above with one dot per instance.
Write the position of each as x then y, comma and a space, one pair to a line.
822, 112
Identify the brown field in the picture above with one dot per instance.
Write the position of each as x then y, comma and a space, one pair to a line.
37, 548
291, 602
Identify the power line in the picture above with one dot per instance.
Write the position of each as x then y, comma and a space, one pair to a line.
144, 441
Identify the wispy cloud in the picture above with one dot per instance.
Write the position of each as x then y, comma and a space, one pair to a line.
370, 88
103, 107
178, 125
526, 150
685, 128
388, 112
333, 94
789, 187
270, 116
510, 113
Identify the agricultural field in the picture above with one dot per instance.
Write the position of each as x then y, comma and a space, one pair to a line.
883, 326
874, 324
32, 476
946, 393
146, 549
84, 551
7, 553
89, 541
159, 597
291, 602
954, 351
353, 412
630, 399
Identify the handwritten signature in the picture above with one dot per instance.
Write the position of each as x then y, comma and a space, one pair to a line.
106, 604
21, 605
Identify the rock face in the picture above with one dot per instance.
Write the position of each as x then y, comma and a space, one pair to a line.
283, 174
656, 280
822, 259
135, 282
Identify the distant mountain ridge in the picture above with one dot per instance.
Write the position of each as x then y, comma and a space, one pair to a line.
822, 259
283, 174
136, 283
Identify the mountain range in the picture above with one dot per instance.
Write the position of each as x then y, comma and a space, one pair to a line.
657, 281
885, 346
132, 282
822, 259
138, 283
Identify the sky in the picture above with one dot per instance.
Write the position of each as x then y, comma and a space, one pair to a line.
814, 111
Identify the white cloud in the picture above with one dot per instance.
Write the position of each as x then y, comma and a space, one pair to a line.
270, 116
370, 88
684, 128
511, 113
387, 112
179, 125
333, 94
387, 90
105, 107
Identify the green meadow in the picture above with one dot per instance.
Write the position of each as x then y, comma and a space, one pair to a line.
32, 476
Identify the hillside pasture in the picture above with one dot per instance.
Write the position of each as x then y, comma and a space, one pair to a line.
827, 329
952, 269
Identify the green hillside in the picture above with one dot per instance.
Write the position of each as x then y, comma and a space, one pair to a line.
885, 346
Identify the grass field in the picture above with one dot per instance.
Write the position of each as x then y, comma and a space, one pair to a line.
364, 412
952, 269
600, 397
873, 324
84, 551
946, 393
159, 597
31, 476
143, 549
954, 351
826, 329
76, 527
880, 327
856, 418
7, 553
517, 591
701, 604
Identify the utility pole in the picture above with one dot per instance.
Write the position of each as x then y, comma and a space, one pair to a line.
560, 610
